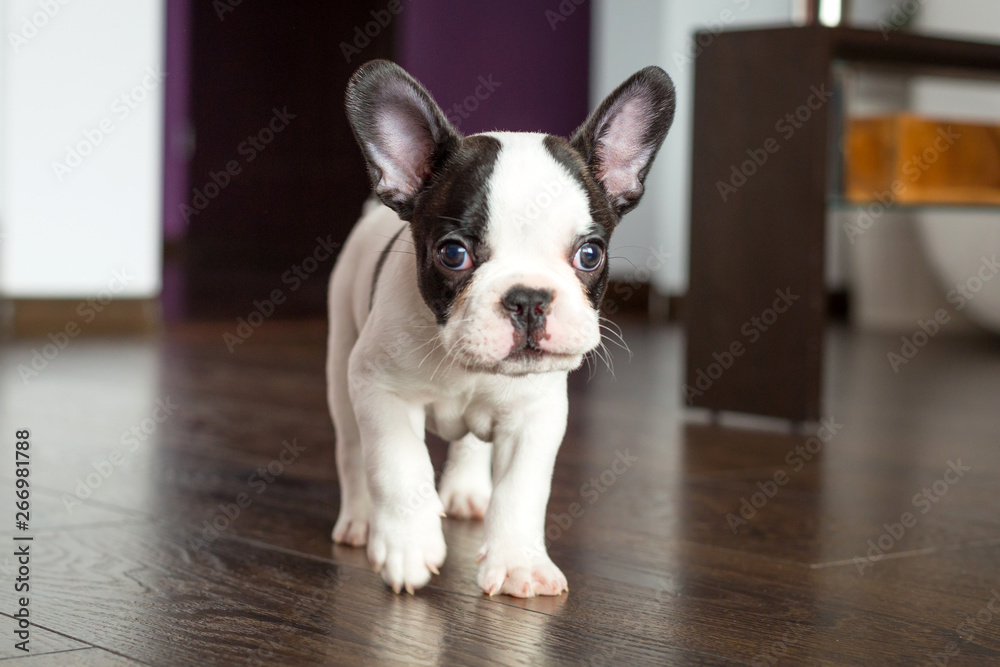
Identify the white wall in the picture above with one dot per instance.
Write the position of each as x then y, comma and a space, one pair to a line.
65, 66
628, 35
968, 19
971, 19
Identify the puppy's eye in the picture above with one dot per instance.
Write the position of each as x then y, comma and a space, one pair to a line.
454, 256
589, 257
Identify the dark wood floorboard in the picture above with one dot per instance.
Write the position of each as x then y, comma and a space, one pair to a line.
658, 575
47, 641
87, 657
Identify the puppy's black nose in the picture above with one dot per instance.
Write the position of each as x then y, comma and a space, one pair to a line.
527, 307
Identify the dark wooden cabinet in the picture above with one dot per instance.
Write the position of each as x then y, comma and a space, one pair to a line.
766, 116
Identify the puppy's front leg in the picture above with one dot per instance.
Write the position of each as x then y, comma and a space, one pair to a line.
513, 557
405, 541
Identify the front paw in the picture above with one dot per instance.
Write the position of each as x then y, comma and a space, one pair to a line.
519, 573
406, 550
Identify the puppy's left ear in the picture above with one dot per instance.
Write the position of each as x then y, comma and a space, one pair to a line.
402, 132
621, 138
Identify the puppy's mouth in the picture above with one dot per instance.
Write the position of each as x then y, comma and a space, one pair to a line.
528, 351
528, 358
525, 356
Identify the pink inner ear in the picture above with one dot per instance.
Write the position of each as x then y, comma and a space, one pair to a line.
406, 145
620, 152
404, 153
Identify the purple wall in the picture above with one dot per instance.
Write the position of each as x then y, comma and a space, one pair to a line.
542, 71
176, 140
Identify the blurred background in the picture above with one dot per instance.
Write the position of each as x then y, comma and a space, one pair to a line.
819, 240
182, 160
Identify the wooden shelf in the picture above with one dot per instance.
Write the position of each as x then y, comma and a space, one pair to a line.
909, 159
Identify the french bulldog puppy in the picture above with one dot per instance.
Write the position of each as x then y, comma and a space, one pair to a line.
460, 302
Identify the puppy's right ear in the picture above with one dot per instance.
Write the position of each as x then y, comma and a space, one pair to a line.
402, 132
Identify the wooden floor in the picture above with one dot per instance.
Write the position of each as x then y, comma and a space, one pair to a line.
132, 571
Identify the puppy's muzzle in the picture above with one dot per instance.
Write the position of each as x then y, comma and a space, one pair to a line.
528, 309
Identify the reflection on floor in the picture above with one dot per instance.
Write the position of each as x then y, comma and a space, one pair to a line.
875, 540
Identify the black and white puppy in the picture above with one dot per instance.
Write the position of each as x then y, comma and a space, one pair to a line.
459, 305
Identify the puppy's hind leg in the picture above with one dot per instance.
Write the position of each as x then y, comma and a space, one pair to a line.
466, 484
355, 503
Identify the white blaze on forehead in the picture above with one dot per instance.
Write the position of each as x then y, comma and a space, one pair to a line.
536, 207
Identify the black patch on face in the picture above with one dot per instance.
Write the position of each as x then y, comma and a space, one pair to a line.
454, 206
601, 212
